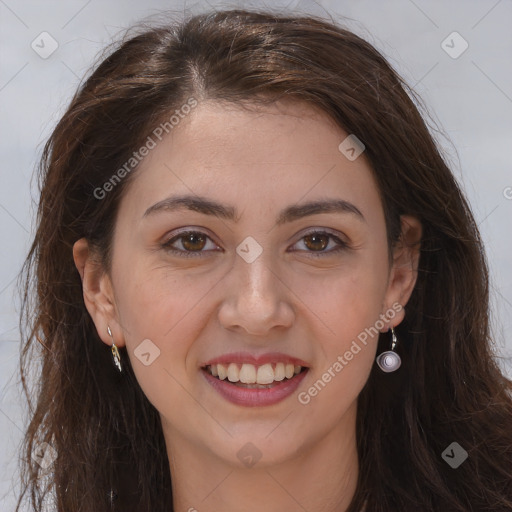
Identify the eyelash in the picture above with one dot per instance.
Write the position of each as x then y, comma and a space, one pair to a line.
194, 254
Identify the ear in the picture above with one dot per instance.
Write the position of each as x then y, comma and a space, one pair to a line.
98, 293
404, 271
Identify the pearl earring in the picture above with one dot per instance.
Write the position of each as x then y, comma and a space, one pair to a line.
389, 361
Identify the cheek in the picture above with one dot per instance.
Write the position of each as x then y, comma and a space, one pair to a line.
347, 299
349, 303
159, 315
350, 308
153, 300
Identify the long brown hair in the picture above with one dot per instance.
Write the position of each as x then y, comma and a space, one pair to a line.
106, 435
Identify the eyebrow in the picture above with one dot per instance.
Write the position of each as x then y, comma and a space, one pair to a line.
288, 214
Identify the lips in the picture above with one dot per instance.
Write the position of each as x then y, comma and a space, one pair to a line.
249, 380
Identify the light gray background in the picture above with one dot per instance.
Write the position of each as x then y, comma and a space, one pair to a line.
470, 98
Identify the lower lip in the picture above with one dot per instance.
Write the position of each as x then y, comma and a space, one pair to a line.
254, 397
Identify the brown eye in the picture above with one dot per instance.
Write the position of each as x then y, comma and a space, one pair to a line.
321, 243
190, 243
193, 241
316, 241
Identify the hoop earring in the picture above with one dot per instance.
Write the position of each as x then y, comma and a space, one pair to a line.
115, 353
389, 361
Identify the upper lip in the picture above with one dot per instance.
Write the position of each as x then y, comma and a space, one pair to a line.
256, 360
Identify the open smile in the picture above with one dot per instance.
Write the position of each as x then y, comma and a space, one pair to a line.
252, 384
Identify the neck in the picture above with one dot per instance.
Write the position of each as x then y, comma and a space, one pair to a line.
321, 476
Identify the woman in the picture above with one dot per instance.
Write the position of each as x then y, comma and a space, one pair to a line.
259, 287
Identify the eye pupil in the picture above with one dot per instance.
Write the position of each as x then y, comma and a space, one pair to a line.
316, 238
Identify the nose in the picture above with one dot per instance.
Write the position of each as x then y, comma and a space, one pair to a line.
257, 298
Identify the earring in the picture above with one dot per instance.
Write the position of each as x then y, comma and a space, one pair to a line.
389, 361
115, 352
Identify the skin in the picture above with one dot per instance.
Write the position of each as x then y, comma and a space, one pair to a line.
197, 308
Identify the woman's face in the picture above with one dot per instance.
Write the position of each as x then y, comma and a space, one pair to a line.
253, 287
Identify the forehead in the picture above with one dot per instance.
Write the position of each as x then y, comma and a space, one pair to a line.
285, 132
257, 156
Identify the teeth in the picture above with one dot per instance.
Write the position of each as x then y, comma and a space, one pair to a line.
250, 374
222, 371
233, 372
247, 374
279, 372
265, 374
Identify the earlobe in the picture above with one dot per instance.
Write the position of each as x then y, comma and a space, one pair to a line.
406, 258
97, 292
